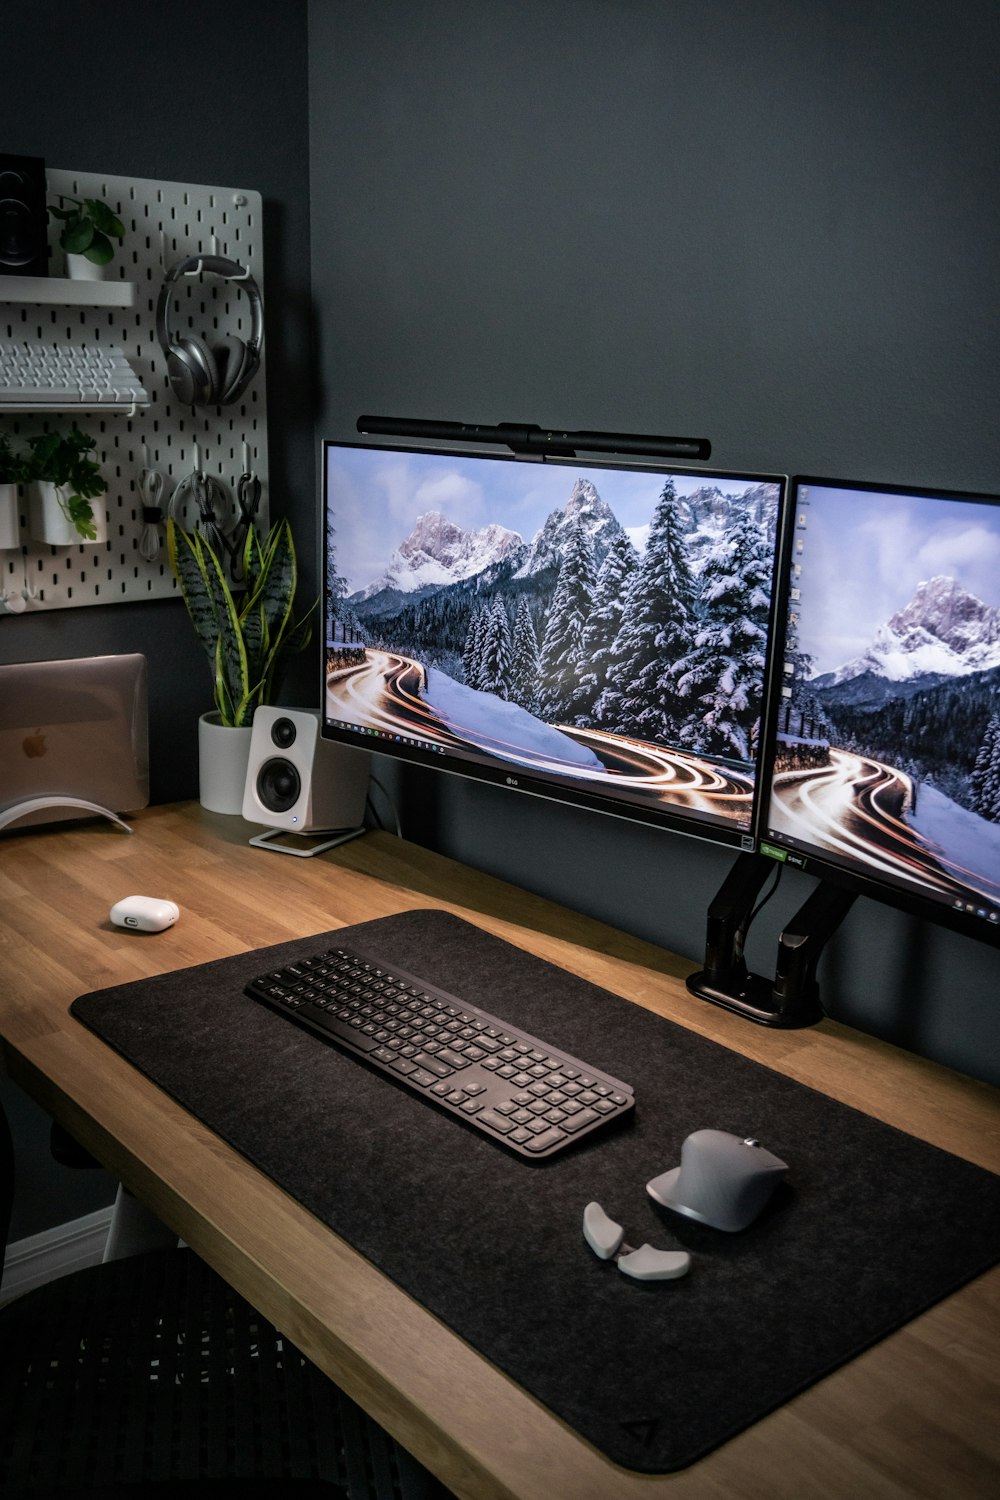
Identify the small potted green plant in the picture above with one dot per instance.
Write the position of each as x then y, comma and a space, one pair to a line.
66, 481
247, 640
88, 228
11, 474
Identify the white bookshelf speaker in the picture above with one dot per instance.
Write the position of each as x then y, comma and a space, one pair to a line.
310, 792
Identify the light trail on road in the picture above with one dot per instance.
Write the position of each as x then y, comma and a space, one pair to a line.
384, 693
852, 807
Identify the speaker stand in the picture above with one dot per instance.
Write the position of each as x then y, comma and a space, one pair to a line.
304, 845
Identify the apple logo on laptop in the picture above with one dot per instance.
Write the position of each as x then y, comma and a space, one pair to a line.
34, 745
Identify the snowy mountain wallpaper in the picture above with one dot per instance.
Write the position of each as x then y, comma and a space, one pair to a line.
889, 733
597, 626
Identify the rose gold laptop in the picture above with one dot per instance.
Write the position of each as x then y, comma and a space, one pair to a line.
74, 739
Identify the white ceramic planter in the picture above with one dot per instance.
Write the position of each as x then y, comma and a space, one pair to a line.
48, 517
10, 518
223, 757
79, 268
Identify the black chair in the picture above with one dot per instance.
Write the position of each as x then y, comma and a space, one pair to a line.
151, 1376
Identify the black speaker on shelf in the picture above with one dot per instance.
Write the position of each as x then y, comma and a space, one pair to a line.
24, 242
310, 792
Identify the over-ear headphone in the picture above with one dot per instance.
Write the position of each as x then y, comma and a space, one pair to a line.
216, 375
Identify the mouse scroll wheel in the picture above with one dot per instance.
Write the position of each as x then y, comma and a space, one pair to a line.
750, 1141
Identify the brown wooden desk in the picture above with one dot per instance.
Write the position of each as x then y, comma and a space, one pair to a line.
916, 1415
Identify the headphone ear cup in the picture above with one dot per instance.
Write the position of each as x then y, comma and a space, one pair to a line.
192, 371
232, 358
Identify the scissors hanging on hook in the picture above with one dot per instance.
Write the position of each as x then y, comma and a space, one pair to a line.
248, 501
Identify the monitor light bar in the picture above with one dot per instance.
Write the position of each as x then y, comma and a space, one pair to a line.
527, 439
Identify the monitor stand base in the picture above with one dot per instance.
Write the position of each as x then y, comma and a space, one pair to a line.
792, 998
752, 996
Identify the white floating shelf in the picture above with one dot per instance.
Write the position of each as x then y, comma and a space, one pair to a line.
16, 408
67, 292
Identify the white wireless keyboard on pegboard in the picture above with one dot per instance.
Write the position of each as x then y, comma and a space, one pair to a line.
48, 377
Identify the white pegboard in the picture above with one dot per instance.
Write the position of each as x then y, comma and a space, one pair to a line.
164, 222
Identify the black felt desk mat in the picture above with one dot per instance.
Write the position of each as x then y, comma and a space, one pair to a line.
874, 1227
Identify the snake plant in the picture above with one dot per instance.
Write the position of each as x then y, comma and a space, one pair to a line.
247, 638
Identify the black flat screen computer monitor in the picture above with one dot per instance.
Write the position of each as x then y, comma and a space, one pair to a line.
883, 767
593, 632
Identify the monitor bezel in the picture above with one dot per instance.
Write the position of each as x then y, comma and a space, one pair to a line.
780, 846
508, 776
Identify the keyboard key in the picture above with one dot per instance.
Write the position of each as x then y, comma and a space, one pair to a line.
552, 1137
433, 1065
451, 1059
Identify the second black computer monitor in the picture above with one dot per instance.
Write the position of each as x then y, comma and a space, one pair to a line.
884, 754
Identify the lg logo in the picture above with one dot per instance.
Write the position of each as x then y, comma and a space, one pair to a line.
512, 781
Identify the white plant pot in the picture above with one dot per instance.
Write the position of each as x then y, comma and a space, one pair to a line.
48, 517
10, 516
79, 268
223, 757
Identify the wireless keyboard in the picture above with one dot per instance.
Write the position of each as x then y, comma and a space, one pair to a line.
75, 375
519, 1091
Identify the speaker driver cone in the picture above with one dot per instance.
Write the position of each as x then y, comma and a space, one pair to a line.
278, 785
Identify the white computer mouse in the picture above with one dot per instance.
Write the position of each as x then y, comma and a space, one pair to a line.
723, 1180
144, 913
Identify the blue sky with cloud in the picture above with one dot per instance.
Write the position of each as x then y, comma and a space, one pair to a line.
378, 495
865, 553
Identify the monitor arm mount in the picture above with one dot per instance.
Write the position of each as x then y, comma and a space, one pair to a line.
527, 440
792, 997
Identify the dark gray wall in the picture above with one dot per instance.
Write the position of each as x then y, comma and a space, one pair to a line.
775, 225
185, 92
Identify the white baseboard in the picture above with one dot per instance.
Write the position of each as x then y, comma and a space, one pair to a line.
55, 1252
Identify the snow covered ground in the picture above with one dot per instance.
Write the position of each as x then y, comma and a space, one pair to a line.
506, 729
969, 842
